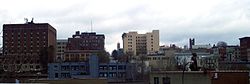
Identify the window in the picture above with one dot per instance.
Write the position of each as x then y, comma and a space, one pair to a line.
105, 74
56, 75
120, 67
110, 75
101, 68
165, 80
101, 75
156, 80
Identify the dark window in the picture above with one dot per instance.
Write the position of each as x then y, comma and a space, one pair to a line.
165, 80
37, 66
56, 75
156, 80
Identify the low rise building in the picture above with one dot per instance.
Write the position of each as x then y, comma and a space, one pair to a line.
117, 72
199, 77
92, 69
67, 70
204, 60
161, 62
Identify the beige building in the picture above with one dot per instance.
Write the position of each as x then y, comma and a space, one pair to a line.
161, 62
141, 43
61, 47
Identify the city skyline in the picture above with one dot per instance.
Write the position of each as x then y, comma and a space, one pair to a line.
207, 21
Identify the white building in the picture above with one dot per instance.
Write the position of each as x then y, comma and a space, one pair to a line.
204, 60
201, 46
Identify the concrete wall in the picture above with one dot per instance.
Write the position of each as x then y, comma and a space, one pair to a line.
176, 77
199, 77
230, 78
72, 81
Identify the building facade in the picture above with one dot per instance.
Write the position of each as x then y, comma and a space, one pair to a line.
61, 47
86, 41
141, 43
117, 71
82, 45
199, 77
28, 47
161, 62
79, 55
245, 48
227, 53
178, 77
68, 70
204, 60
92, 69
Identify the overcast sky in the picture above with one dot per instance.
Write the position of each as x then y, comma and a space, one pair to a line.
208, 21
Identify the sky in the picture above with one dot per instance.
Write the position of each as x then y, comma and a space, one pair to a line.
208, 21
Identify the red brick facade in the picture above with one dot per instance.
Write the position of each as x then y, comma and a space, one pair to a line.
28, 47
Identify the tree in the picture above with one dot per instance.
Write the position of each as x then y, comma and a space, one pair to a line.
193, 65
47, 55
103, 56
115, 54
126, 57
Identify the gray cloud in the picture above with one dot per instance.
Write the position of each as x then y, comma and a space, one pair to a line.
208, 22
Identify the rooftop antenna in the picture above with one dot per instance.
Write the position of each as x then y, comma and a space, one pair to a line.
32, 20
26, 20
91, 26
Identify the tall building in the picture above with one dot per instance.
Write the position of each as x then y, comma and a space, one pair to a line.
245, 48
61, 47
141, 43
28, 47
118, 46
191, 43
82, 45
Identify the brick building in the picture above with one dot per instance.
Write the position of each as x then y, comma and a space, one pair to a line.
86, 41
199, 77
82, 45
28, 47
245, 48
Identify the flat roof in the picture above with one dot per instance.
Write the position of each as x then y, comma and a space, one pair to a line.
220, 71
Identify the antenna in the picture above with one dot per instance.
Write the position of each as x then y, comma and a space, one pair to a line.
26, 20
91, 26
32, 20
